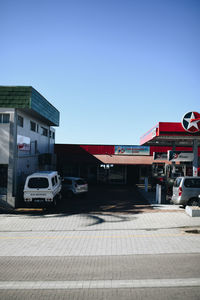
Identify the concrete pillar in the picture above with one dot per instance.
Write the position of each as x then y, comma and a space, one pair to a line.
158, 193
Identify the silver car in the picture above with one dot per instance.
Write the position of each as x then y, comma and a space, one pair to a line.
186, 191
74, 186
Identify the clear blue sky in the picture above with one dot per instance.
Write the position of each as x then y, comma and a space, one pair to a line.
113, 68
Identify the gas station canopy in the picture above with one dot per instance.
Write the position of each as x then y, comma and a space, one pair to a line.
169, 134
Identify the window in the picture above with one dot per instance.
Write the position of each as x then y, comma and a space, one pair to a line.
51, 134
20, 121
38, 183
32, 126
67, 181
177, 182
80, 182
192, 183
4, 118
53, 181
44, 131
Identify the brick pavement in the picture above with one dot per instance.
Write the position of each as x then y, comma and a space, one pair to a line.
97, 234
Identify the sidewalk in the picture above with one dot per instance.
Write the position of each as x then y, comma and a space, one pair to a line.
150, 196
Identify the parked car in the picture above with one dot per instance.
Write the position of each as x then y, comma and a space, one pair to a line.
42, 187
186, 191
74, 186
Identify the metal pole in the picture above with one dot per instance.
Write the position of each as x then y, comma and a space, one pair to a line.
195, 161
146, 184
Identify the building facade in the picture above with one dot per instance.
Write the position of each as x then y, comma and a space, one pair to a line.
27, 138
105, 164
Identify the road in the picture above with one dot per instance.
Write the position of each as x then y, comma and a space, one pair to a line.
101, 253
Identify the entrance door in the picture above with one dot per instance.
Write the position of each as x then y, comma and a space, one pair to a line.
3, 179
117, 175
132, 174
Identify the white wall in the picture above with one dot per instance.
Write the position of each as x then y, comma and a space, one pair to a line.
4, 143
27, 161
44, 143
5, 138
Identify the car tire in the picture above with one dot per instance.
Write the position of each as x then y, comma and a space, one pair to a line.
194, 202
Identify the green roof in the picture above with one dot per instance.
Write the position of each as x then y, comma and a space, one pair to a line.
28, 99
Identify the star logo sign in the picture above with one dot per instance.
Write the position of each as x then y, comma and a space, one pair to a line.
191, 122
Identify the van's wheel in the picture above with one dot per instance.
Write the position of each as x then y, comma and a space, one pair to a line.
194, 202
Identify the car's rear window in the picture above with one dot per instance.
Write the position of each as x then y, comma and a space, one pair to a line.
177, 182
80, 182
67, 181
192, 183
38, 183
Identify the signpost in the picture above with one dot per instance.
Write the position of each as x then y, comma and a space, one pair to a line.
191, 123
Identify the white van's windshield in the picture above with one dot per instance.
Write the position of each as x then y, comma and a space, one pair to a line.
38, 183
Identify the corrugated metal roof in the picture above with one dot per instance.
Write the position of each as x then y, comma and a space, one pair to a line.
125, 160
27, 98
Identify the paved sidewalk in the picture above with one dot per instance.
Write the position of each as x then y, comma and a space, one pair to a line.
98, 234
147, 229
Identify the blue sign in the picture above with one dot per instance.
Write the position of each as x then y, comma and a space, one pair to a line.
132, 150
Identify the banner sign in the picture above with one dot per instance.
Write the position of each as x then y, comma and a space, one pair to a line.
160, 155
180, 156
132, 150
23, 143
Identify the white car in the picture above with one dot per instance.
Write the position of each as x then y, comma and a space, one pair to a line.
74, 186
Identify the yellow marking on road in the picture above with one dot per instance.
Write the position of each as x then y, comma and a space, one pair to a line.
28, 209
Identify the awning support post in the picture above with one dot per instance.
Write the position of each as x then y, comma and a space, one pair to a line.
195, 161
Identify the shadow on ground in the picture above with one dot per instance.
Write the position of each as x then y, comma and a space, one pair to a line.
100, 200
106, 199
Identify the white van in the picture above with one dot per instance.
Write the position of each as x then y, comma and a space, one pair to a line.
42, 187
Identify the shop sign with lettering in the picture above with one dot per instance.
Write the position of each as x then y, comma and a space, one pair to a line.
180, 156
132, 150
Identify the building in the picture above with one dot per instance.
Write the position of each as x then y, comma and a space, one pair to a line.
166, 150
108, 164
179, 145
27, 138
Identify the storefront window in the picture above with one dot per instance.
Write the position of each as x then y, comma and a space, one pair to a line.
117, 174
